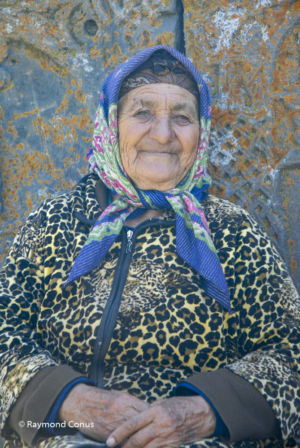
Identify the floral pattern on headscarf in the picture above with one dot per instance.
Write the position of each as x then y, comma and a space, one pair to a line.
193, 241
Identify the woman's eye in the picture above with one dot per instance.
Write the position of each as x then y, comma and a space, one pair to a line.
182, 119
144, 114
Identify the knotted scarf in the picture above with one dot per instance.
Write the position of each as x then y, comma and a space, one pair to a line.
193, 241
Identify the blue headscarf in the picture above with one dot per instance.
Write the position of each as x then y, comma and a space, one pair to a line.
193, 241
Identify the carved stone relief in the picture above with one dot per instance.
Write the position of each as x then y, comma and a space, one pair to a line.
250, 53
54, 56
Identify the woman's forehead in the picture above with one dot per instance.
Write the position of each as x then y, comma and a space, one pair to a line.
160, 94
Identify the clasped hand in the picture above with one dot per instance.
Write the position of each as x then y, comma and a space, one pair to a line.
124, 420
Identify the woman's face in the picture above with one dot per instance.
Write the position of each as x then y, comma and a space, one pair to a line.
158, 135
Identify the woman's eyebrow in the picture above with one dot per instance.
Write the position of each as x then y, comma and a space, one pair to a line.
183, 106
137, 103
145, 103
140, 102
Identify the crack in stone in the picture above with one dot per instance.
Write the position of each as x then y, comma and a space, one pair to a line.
179, 41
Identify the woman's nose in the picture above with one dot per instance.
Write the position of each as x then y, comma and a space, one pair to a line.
161, 130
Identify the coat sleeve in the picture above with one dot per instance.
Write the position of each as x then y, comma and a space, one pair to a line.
269, 326
263, 338
22, 354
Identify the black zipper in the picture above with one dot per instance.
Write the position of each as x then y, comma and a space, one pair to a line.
109, 316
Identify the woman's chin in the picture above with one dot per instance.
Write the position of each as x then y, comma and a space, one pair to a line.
152, 181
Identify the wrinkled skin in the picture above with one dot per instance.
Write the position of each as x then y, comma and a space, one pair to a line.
158, 135
167, 423
124, 420
102, 411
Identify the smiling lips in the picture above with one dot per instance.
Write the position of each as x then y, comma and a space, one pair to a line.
159, 151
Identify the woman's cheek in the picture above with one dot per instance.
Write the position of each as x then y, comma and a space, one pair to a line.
127, 156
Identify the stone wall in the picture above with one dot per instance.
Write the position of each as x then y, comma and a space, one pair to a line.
54, 56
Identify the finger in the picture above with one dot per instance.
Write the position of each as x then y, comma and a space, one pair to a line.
141, 438
153, 436
129, 427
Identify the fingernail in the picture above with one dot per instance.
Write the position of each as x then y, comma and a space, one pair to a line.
110, 442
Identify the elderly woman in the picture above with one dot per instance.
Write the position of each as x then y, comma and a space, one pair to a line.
140, 309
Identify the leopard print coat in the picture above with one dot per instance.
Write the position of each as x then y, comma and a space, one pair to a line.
166, 328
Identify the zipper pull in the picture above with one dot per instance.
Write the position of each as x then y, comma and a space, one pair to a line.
129, 241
